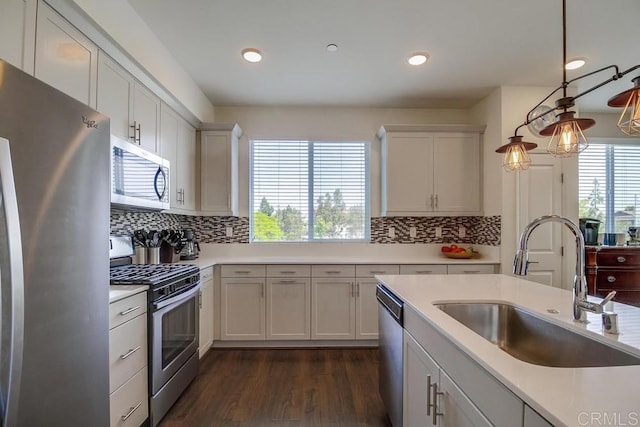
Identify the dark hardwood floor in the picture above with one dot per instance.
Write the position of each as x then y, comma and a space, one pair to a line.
283, 387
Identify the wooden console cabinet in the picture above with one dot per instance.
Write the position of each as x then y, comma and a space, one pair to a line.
614, 268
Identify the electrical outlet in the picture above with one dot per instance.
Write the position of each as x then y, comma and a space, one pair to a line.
438, 231
413, 232
229, 231
392, 232
462, 232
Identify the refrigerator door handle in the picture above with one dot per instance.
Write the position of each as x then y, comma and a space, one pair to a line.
13, 355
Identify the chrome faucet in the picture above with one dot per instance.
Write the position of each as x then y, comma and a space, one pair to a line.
580, 303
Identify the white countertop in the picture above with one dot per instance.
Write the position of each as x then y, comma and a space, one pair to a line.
118, 292
565, 396
335, 253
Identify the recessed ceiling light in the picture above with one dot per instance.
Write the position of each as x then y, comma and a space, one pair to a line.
332, 47
574, 64
252, 55
418, 58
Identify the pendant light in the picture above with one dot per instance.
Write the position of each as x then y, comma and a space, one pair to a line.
566, 132
516, 156
629, 122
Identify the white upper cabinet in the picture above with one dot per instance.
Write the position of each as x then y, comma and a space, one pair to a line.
64, 57
430, 170
178, 145
146, 117
219, 169
17, 32
134, 110
115, 95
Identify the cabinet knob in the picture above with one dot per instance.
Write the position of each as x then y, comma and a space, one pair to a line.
611, 279
621, 259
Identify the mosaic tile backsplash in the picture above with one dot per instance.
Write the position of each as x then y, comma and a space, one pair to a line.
479, 230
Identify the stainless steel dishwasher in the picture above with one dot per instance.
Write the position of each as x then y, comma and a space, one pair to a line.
390, 347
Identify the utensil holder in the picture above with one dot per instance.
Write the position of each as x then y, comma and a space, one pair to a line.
168, 253
153, 255
141, 255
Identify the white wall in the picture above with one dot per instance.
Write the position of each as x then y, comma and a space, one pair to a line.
326, 123
125, 27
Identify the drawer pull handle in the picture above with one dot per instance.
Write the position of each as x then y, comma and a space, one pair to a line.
332, 272
131, 411
611, 279
377, 272
287, 272
129, 353
129, 310
242, 272
472, 272
621, 259
428, 395
424, 271
435, 395
286, 282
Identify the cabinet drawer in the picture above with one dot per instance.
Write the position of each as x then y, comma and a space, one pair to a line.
127, 309
337, 270
243, 270
618, 259
206, 274
370, 270
423, 269
130, 400
289, 270
618, 279
127, 351
470, 269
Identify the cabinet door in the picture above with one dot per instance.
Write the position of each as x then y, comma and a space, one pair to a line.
455, 407
115, 95
288, 309
169, 150
333, 309
146, 114
366, 309
17, 32
456, 172
206, 313
217, 151
420, 373
65, 58
408, 163
242, 309
186, 164
533, 419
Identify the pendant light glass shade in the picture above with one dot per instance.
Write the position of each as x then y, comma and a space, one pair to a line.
629, 121
516, 157
567, 138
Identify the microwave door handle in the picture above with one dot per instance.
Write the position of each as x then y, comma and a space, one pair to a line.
164, 183
14, 309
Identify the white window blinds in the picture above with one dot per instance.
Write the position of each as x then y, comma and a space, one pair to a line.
609, 185
309, 190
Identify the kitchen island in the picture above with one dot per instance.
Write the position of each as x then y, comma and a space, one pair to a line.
562, 396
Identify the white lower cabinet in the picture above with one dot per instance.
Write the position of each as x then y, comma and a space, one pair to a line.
242, 302
128, 361
533, 419
206, 311
288, 308
334, 309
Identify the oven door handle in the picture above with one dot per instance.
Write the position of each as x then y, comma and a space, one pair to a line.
183, 296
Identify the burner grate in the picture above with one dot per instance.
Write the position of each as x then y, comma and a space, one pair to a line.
149, 274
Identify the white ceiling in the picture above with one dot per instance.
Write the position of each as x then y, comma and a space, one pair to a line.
475, 46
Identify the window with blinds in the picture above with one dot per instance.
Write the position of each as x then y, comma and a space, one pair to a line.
609, 185
309, 191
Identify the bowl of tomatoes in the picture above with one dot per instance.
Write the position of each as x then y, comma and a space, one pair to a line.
458, 252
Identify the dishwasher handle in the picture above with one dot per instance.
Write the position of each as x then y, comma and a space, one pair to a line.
391, 303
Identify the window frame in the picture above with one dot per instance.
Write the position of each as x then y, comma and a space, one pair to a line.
311, 195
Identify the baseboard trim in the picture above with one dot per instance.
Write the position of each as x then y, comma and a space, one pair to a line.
295, 344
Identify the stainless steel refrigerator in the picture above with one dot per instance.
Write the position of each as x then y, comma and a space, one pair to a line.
54, 256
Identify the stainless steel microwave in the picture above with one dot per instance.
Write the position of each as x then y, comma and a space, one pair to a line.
139, 179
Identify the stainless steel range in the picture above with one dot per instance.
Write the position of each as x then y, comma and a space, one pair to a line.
173, 322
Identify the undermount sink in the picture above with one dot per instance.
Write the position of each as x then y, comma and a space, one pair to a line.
532, 339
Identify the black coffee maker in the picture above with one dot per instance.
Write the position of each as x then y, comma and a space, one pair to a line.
589, 228
191, 248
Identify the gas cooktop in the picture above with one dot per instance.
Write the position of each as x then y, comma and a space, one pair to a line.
150, 274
